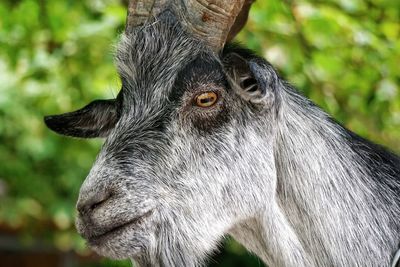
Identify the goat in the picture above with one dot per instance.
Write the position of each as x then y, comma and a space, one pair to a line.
201, 144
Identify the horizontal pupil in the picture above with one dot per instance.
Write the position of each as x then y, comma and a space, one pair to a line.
206, 100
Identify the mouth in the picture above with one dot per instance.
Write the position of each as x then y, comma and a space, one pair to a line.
117, 230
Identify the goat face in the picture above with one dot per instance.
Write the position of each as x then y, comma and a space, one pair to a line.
181, 163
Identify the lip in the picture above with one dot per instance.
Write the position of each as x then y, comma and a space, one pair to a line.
115, 231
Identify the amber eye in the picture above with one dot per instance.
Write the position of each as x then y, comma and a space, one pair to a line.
206, 100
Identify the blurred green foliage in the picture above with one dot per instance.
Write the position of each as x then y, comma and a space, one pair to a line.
56, 56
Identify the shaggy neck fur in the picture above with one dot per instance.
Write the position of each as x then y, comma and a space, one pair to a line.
337, 195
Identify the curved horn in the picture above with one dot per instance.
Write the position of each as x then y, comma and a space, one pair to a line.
214, 21
138, 12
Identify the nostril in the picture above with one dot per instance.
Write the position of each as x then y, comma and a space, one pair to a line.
96, 205
87, 205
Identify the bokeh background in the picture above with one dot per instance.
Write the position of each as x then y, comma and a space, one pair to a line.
57, 55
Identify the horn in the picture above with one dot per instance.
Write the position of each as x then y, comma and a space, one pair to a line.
213, 21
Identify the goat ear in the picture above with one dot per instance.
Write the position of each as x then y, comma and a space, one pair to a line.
96, 119
253, 78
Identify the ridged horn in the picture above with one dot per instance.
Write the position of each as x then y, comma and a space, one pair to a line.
214, 21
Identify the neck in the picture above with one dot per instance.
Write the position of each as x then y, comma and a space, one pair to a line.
336, 194
336, 201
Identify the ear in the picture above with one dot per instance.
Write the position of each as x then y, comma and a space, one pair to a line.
96, 119
253, 78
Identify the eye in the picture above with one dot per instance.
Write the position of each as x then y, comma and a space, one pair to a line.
205, 100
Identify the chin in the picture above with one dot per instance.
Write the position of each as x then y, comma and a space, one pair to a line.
119, 241
121, 244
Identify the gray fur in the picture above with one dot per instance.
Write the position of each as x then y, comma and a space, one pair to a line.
275, 172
